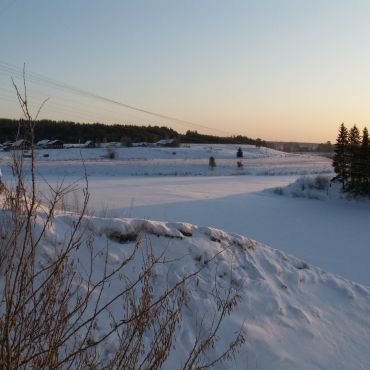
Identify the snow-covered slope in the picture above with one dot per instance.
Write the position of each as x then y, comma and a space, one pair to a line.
295, 315
190, 151
189, 160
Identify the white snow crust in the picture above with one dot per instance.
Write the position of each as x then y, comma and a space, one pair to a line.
295, 315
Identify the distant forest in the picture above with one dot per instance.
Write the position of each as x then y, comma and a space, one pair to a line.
72, 132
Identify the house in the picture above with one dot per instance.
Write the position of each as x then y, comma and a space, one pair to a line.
7, 145
112, 144
168, 143
50, 144
55, 144
88, 144
20, 144
142, 144
42, 143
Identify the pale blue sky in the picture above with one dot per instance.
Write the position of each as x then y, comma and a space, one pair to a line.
280, 70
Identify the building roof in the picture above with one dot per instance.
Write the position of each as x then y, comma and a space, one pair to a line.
43, 142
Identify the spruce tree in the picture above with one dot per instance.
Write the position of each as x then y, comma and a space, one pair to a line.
354, 140
365, 162
341, 157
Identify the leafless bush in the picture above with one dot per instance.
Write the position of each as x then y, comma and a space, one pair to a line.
52, 301
212, 162
278, 191
321, 182
112, 153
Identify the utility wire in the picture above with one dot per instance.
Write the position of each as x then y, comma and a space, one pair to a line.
70, 107
68, 104
12, 70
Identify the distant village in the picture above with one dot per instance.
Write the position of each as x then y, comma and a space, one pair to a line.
64, 135
23, 144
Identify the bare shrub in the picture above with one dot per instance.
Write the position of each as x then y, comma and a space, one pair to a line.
307, 187
321, 182
212, 162
112, 153
53, 297
278, 191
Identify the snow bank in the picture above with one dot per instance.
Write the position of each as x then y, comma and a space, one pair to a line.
309, 187
314, 187
295, 315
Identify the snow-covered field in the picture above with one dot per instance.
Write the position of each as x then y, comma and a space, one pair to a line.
297, 316
333, 234
191, 151
187, 161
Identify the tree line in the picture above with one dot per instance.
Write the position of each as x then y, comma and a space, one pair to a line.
351, 161
73, 132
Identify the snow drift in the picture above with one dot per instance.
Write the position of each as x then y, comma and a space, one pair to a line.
295, 316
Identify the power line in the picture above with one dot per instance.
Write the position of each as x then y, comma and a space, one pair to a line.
68, 104
12, 70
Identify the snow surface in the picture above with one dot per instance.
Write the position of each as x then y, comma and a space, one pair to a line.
184, 152
187, 161
295, 316
333, 234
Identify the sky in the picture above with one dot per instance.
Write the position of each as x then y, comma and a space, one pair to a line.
283, 70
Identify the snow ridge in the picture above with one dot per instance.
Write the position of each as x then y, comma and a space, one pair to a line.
296, 316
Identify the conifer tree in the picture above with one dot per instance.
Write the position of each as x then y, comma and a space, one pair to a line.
365, 162
341, 157
355, 174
